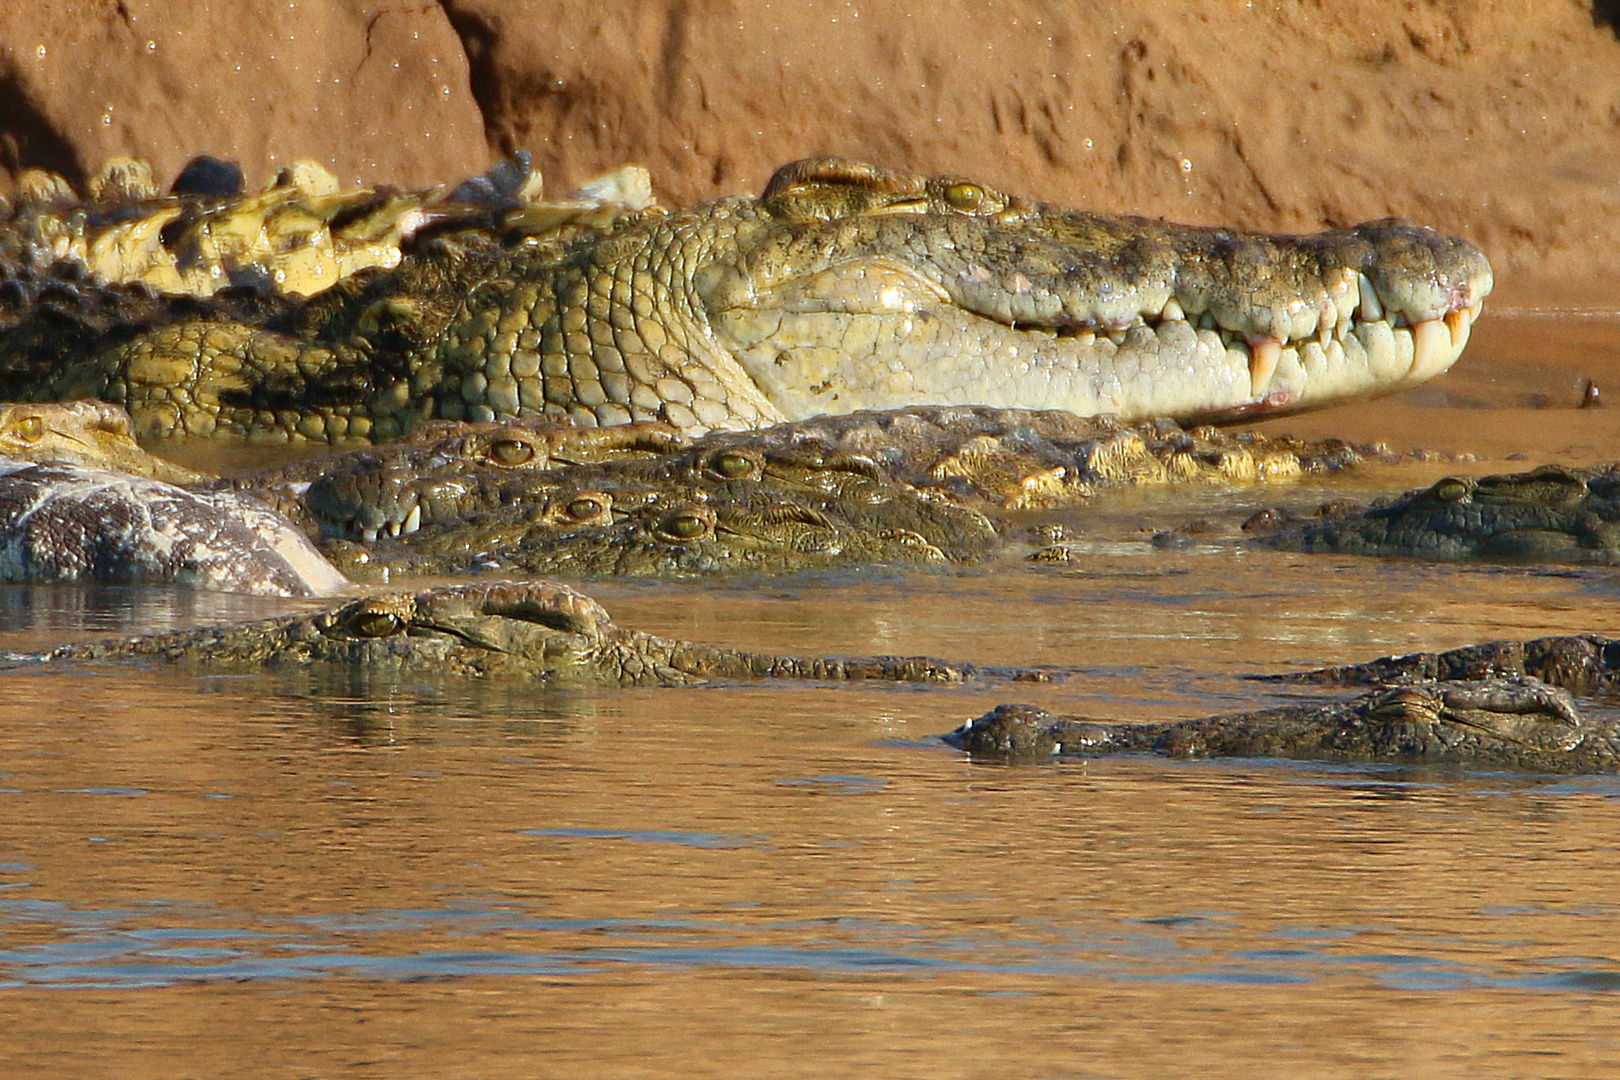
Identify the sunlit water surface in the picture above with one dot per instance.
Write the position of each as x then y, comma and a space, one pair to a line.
299, 875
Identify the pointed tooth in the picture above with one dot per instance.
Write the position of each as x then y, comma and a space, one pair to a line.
393, 529
368, 533
1460, 321
1326, 323
1172, 310
413, 520
1371, 307
1264, 355
1431, 349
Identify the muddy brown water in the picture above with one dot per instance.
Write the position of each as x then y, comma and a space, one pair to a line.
294, 877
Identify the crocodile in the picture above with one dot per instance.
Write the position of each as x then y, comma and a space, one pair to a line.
925, 485
674, 530
1499, 723
442, 472
539, 495
537, 630
90, 433
1584, 664
298, 236
843, 286
1552, 513
984, 458
1501, 704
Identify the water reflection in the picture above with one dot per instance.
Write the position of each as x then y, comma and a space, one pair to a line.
168, 943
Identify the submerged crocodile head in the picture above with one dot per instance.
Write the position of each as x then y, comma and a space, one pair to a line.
538, 630
1551, 513
450, 471
1500, 722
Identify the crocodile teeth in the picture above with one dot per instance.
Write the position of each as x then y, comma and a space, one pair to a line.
413, 520
1460, 321
1327, 319
1371, 307
1264, 355
1431, 348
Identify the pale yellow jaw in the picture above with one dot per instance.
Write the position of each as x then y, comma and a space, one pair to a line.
874, 336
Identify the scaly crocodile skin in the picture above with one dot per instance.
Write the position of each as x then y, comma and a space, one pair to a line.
538, 630
842, 287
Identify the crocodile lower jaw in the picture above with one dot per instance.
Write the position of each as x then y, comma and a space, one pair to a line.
900, 342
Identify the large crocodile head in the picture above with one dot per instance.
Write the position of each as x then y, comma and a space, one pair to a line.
845, 286
849, 286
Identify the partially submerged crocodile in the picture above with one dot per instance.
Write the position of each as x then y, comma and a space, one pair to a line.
919, 486
1549, 514
1001, 459
1584, 664
925, 485
1501, 723
1504, 704
537, 630
843, 286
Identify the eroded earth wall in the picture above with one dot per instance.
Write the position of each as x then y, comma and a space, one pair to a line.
1498, 119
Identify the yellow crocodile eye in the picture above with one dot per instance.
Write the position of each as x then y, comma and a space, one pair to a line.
377, 623
684, 525
511, 452
732, 464
1450, 489
585, 507
30, 429
964, 196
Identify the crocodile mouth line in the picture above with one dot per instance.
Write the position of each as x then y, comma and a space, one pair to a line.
1434, 340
